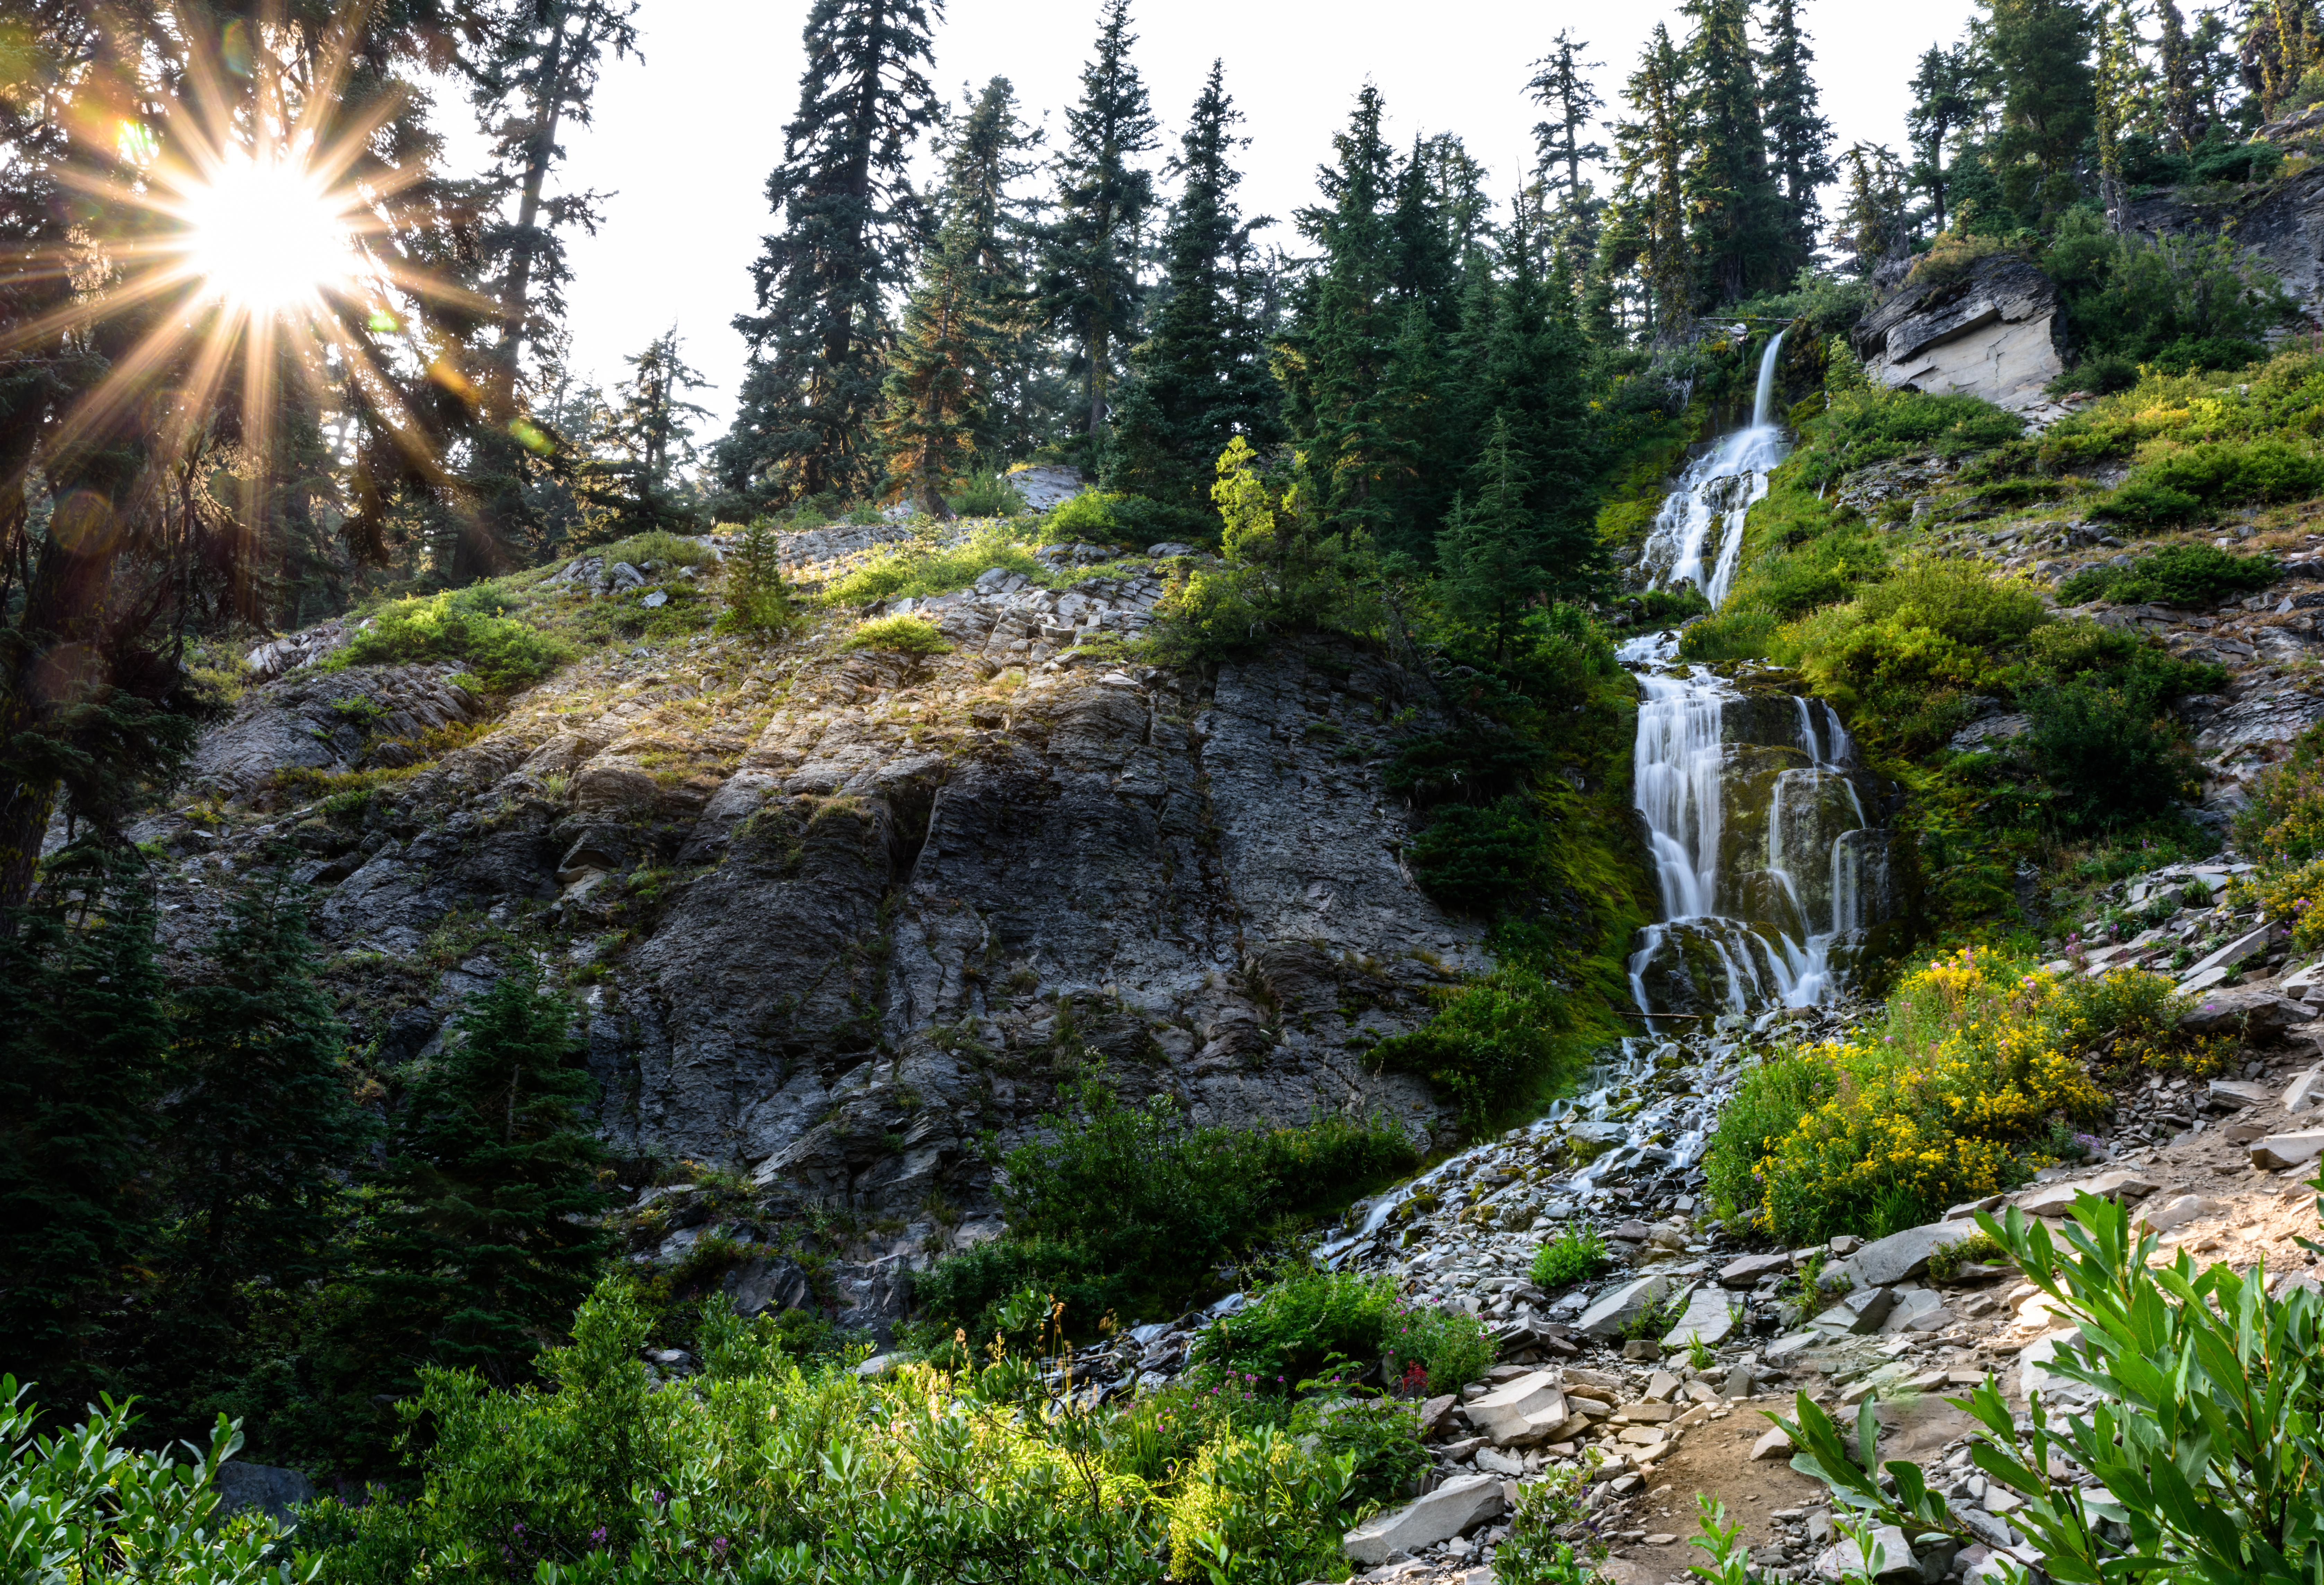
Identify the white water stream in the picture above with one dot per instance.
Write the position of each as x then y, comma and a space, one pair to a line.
1767, 868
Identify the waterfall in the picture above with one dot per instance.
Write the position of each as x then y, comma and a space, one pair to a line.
1703, 517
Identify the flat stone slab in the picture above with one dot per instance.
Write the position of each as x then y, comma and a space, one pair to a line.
2241, 1093
2305, 1092
1437, 1516
1746, 1271
1859, 1313
2058, 1199
2278, 1151
1900, 1256
2178, 1213
2240, 950
1510, 1412
1614, 1309
2250, 1010
1890, 1559
1708, 1320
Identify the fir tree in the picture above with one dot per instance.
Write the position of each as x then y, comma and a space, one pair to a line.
651, 429
1090, 269
1422, 266
819, 342
2114, 86
1945, 103
1492, 546
484, 1238
1872, 223
1653, 150
261, 1127
1023, 399
1737, 225
2040, 55
1799, 135
1201, 378
84, 1054
2176, 57
1561, 87
935, 386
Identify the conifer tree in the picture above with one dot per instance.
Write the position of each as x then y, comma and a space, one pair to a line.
2176, 58
2114, 86
260, 1128
1872, 223
1561, 87
84, 1046
1738, 226
483, 1238
819, 341
1022, 399
936, 379
2040, 54
1201, 379
1945, 103
1090, 283
1422, 266
1799, 134
1653, 149
1491, 548
650, 429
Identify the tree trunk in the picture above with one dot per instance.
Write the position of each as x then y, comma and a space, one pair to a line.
517, 292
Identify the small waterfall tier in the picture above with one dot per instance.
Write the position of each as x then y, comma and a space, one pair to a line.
1698, 536
1771, 871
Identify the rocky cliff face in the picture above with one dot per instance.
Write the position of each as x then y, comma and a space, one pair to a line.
1990, 333
2281, 224
835, 915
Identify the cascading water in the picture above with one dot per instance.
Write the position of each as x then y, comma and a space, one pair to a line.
1703, 517
1769, 869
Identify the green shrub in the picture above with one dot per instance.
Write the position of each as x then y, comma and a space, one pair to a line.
1733, 634
2204, 1395
467, 626
757, 600
1870, 425
1946, 1263
1575, 1255
918, 567
1090, 515
1480, 858
2283, 822
2188, 480
1382, 1435
1443, 1350
910, 635
2172, 575
1308, 1326
658, 546
987, 494
2111, 754
1494, 1040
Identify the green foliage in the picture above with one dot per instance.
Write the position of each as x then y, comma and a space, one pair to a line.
1575, 1255
1448, 1349
1284, 571
1546, 1510
2185, 574
1495, 1039
1480, 858
1127, 1208
84, 1506
908, 635
1088, 516
469, 626
657, 546
1946, 1263
2186, 482
918, 567
1873, 424
986, 494
2199, 1440
2111, 754
757, 600
483, 1235
2182, 301
1310, 1325
2283, 822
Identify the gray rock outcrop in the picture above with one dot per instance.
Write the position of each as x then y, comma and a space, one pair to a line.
2280, 225
1990, 333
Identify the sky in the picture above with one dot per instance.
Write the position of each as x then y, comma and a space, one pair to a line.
683, 140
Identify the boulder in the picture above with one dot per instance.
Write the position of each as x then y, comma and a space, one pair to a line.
1888, 1559
1710, 1319
1860, 1311
1437, 1516
2278, 1151
1987, 333
1899, 1256
2305, 1092
767, 1283
2241, 950
1749, 1269
2238, 1092
1775, 1445
273, 1492
2058, 1199
2177, 1213
1520, 1410
1619, 1306
611, 787
2253, 1012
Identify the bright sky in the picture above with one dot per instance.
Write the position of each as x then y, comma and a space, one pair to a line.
684, 140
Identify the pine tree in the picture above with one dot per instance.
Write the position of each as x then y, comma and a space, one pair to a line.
259, 1127
84, 1054
934, 387
483, 1238
1799, 134
1652, 151
2115, 87
1945, 103
1090, 283
651, 429
1023, 399
1491, 547
1201, 379
819, 342
1561, 87
1737, 225
2177, 60
2040, 55
1872, 223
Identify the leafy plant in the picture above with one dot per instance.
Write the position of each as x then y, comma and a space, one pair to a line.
1947, 1260
1575, 1255
2175, 574
1547, 1509
757, 600
909, 635
468, 626
1448, 1348
987, 494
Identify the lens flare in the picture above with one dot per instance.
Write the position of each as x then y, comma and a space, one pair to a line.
265, 236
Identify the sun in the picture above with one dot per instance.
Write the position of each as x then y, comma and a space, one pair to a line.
265, 236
